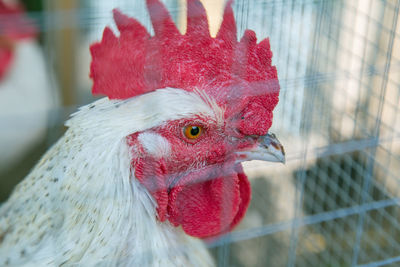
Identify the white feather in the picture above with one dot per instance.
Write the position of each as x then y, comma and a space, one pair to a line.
154, 144
81, 206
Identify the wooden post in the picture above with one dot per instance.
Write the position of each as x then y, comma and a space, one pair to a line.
214, 10
62, 37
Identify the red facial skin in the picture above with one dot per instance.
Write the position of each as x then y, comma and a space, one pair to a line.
198, 186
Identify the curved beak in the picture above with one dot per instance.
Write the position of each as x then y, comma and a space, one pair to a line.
268, 148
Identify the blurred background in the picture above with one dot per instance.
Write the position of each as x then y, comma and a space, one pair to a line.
334, 203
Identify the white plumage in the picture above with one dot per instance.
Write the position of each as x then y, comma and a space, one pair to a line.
82, 204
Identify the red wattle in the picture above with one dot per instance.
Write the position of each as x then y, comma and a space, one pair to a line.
245, 197
211, 207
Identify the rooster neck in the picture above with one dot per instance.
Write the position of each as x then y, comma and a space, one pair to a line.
107, 218
84, 206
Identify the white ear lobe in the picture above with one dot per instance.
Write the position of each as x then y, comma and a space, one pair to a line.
154, 144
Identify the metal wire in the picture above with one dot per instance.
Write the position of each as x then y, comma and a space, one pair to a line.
339, 66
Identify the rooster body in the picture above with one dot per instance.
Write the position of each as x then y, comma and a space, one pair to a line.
107, 219
141, 175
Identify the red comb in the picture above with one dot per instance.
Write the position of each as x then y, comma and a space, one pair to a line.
14, 23
236, 74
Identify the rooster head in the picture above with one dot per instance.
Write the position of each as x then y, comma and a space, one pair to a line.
213, 99
14, 26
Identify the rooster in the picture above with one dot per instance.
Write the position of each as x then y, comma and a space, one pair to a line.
142, 176
25, 94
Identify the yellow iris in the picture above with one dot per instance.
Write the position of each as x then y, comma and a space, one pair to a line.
193, 131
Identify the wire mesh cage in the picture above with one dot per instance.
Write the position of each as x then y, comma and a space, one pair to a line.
338, 68
336, 201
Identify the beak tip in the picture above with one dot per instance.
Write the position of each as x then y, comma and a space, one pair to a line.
282, 159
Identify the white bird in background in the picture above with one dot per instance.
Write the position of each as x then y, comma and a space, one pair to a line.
140, 177
26, 91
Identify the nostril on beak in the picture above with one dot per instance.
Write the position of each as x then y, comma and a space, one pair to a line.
268, 148
274, 147
278, 146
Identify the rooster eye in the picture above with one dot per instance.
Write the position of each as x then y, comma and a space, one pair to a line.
192, 131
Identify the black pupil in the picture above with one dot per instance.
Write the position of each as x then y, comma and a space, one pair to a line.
194, 131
